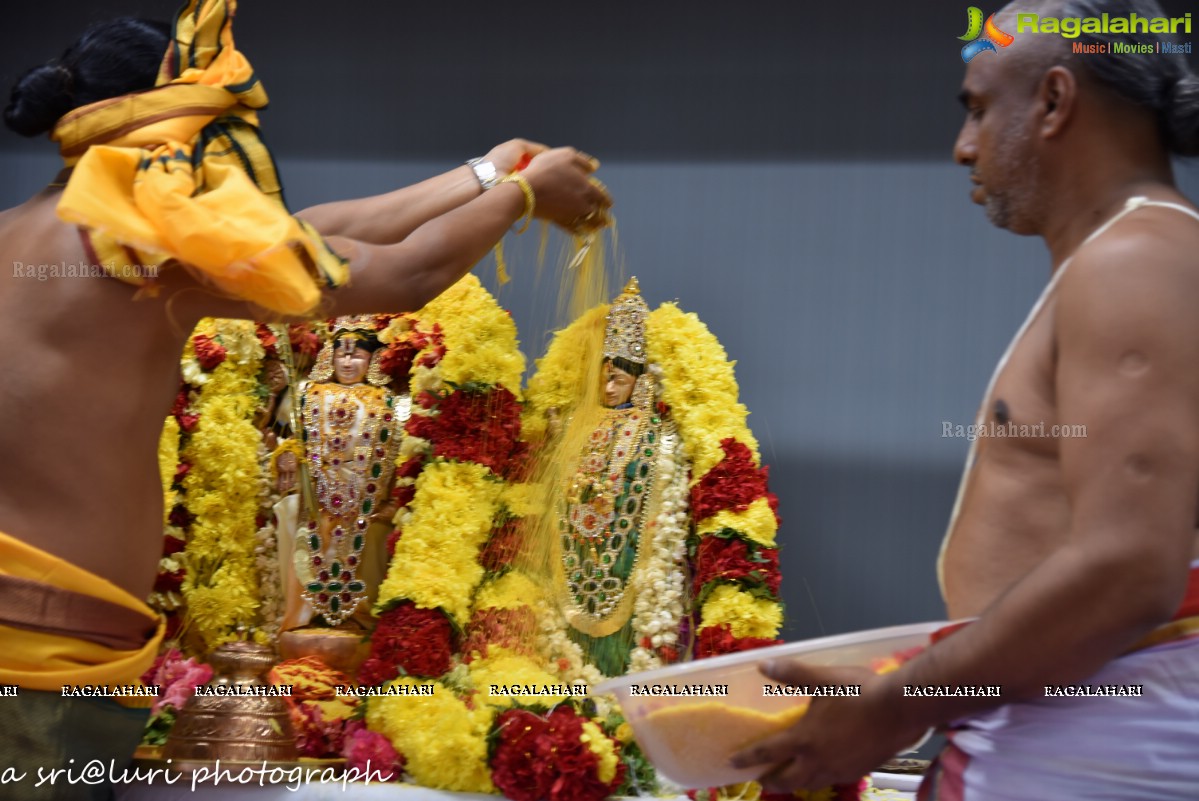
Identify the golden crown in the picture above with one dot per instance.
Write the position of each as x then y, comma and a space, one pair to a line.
624, 336
355, 324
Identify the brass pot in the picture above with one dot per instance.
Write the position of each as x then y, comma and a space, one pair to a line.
234, 727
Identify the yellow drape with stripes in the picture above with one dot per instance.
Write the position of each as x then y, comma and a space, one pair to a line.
179, 174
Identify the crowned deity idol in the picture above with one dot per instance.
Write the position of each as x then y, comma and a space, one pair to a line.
332, 534
611, 501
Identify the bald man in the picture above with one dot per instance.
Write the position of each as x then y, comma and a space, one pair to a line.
1075, 554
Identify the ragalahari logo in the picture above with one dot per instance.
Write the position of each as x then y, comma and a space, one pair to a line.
991, 35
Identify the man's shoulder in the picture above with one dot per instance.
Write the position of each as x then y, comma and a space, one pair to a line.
1154, 247
1140, 276
1151, 235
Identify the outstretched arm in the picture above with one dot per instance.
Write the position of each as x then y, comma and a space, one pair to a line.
391, 217
406, 275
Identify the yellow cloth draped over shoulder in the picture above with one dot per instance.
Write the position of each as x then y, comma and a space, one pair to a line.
179, 172
37, 660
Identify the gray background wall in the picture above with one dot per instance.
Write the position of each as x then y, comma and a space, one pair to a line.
782, 169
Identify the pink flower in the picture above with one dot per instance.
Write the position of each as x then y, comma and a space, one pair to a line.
368, 750
178, 678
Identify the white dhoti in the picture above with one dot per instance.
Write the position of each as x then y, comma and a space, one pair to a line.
1113, 747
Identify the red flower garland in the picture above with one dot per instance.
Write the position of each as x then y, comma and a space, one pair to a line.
514, 770
187, 422
396, 361
403, 495
303, 339
268, 340
734, 483
392, 539
473, 427
503, 628
717, 640
411, 468
502, 546
547, 760
418, 641
435, 341
180, 517
208, 352
316, 737
730, 559
180, 404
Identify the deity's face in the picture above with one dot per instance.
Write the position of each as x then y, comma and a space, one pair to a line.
350, 362
618, 385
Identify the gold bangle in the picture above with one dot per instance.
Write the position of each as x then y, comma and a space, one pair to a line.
530, 199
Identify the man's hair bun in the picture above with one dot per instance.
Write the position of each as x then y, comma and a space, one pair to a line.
1182, 117
39, 98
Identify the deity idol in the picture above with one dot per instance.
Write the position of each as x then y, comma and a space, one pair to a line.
661, 541
612, 521
332, 546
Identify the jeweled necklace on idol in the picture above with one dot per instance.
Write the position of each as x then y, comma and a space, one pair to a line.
352, 472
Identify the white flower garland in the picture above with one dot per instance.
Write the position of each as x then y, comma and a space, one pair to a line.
553, 640
659, 607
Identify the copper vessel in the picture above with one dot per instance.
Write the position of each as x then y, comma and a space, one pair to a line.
343, 648
235, 728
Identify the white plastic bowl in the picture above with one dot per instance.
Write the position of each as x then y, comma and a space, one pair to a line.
690, 743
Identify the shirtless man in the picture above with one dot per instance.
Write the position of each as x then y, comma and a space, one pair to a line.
1073, 552
89, 373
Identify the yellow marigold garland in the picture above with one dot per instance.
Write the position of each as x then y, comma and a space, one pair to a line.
501, 667
454, 507
443, 739
168, 460
604, 749
435, 561
512, 590
698, 385
480, 337
757, 523
745, 614
167, 601
451, 513
521, 499
221, 489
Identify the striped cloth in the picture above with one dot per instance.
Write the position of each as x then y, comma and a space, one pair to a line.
180, 173
1132, 748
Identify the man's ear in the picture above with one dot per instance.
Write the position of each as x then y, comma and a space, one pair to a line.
1057, 96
